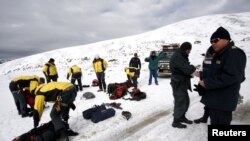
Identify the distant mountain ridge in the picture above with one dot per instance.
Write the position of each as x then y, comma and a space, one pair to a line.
196, 29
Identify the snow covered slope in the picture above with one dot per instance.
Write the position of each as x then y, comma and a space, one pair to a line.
152, 117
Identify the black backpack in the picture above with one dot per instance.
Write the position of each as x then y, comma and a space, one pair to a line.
136, 95
44, 132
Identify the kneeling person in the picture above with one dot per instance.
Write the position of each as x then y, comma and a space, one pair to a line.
63, 94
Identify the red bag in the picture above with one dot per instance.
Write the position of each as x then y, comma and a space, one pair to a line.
118, 93
30, 99
95, 82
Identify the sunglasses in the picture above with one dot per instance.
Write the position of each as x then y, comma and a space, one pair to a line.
214, 41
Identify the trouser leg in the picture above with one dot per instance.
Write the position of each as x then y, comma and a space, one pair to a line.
219, 117
79, 81
14, 94
98, 75
22, 102
150, 76
181, 102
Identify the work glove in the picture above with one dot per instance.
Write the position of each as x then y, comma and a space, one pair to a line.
198, 88
72, 106
35, 118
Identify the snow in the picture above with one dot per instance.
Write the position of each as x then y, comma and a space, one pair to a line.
151, 118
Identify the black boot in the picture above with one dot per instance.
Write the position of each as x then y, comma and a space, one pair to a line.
177, 124
70, 132
185, 120
201, 120
63, 135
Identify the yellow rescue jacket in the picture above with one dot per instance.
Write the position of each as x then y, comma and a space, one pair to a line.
132, 71
49, 92
29, 82
49, 69
74, 70
100, 65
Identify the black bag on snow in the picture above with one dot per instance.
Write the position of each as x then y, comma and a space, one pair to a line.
89, 112
102, 115
136, 95
44, 132
139, 96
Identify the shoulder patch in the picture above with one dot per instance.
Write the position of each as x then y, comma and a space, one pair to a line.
234, 47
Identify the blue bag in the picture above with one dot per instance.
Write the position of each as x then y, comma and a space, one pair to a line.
102, 115
89, 112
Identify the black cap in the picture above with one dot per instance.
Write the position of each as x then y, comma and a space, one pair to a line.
221, 33
51, 60
185, 46
135, 54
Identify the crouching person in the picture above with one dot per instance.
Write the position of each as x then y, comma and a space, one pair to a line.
132, 74
63, 94
21, 85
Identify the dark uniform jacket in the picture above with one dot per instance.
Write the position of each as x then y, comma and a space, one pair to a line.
223, 78
135, 62
181, 69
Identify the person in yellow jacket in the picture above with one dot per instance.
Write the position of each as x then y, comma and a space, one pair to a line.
76, 74
100, 65
50, 70
63, 94
18, 86
133, 73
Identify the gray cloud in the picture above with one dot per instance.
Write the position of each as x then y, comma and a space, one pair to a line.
34, 26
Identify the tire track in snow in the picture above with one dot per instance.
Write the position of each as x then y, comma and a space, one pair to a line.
132, 130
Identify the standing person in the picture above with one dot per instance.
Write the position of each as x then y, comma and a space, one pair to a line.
206, 65
135, 62
50, 71
18, 87
223, 78
182, 71
63, 94
153, 60
132, 74
135, 66
76, 75
100, 65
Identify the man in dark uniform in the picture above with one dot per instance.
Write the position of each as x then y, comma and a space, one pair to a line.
182, 72
205, 67
223, 78
135, 62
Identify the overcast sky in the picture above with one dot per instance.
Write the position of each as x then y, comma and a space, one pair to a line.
33, 26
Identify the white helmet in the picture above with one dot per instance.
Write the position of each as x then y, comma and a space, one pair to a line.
97, 56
